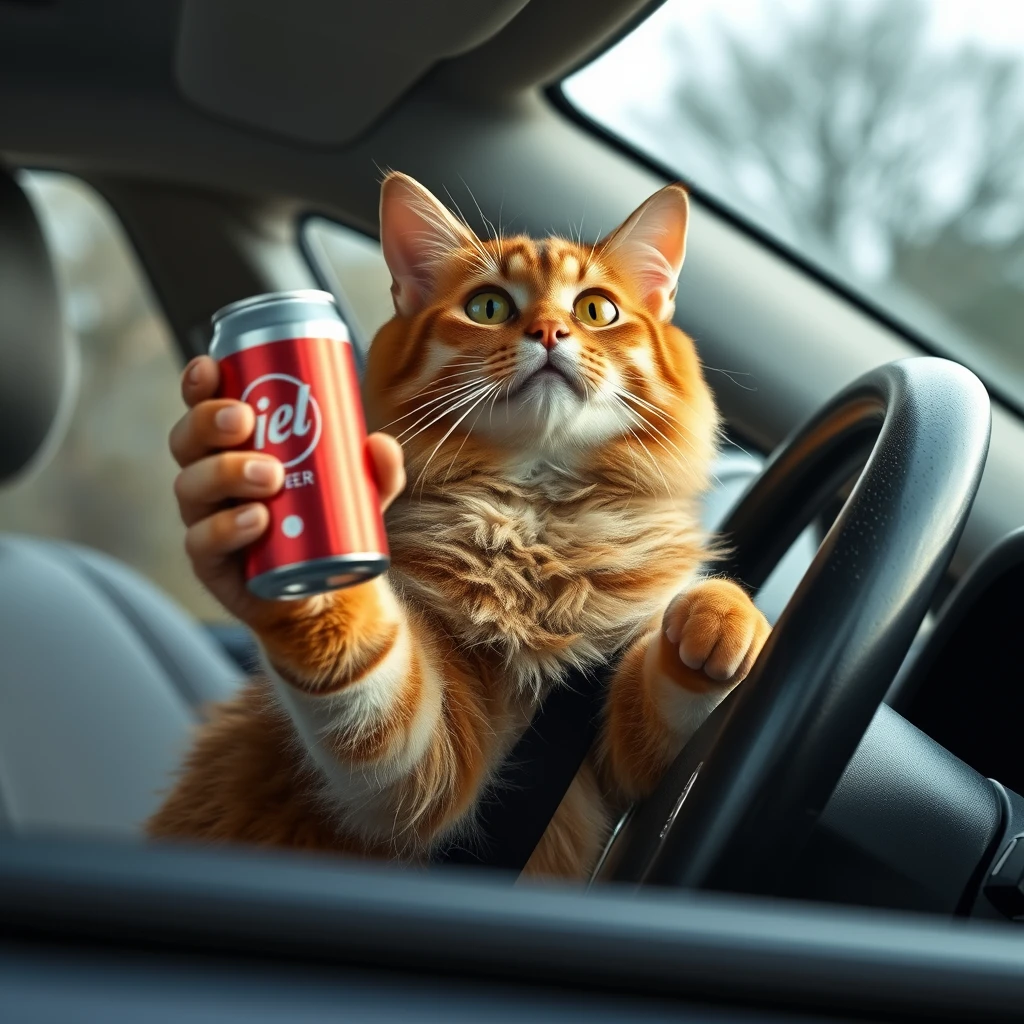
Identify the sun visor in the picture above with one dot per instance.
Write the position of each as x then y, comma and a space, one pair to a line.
320, 71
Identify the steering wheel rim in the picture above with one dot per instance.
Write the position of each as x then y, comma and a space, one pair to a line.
735, 806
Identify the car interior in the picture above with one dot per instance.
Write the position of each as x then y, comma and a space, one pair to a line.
850, 845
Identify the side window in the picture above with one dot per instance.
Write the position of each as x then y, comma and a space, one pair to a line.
356, 273
109, 484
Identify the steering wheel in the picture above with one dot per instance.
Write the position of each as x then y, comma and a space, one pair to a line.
735, 807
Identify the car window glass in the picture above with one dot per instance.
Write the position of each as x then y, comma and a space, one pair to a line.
882, 140
354, 269
109, 483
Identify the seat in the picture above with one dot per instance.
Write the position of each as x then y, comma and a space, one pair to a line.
102, 675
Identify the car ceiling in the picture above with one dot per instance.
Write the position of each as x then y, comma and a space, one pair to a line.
190, 90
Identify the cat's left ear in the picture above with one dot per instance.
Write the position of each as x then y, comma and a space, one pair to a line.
649, 248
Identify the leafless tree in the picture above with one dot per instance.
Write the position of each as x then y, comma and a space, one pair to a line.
846, 122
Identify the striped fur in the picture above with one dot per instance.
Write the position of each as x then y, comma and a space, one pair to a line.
549, 520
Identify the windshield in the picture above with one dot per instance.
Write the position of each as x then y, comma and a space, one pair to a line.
881, 139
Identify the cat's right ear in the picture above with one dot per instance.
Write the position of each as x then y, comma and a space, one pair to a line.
417, 234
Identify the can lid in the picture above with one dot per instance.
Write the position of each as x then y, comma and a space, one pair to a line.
302, 294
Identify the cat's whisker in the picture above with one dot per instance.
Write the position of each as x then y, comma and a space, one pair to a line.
650, 407
472, 427
436, 380
442, 387
588, 262
682, 437
488, 224
450, 392
472, 259
732, 375
738, 447
474, 364
646, 405
456, 393
437, 414
427, 389
501, 206
641, 379
653, 461
441, 415
639, 441
680, 458
433, 380
494, 398
664, 440
632, 458
448, 434
665, 416
585, 378
488, 259
436, 251
462, 367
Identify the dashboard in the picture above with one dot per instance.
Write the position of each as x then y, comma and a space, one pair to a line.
112, 932
964, 686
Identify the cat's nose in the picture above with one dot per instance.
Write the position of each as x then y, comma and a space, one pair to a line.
548, 332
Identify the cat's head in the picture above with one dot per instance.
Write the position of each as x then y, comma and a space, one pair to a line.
553, 350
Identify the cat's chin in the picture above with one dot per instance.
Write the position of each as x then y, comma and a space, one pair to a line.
546, 383
549, 417
546, 400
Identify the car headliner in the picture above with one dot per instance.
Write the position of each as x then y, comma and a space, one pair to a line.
299, 99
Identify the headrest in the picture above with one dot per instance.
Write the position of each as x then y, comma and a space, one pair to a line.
37, 371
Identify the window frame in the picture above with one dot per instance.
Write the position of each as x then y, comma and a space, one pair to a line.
323, 271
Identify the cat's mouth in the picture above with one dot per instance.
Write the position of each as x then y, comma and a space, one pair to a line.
549, 373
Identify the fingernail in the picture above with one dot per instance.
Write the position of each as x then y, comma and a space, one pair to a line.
248, 518
192, 373
260, 471
230, 419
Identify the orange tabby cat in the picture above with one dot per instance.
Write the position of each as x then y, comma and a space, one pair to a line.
557, 433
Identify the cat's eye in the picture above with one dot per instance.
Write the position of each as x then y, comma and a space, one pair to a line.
595, 310
489, 308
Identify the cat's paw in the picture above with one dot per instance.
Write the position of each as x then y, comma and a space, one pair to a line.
714, 633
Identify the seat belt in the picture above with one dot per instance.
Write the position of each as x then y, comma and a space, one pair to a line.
516, 810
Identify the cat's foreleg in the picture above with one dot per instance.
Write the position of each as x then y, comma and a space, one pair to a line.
397, 734
674, 676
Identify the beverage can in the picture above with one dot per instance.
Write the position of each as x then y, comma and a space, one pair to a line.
289, 356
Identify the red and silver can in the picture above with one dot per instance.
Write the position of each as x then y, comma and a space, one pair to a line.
288, 355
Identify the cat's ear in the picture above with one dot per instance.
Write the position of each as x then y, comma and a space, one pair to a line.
649, 248
417, 233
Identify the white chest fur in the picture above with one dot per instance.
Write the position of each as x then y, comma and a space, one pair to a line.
546, 574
